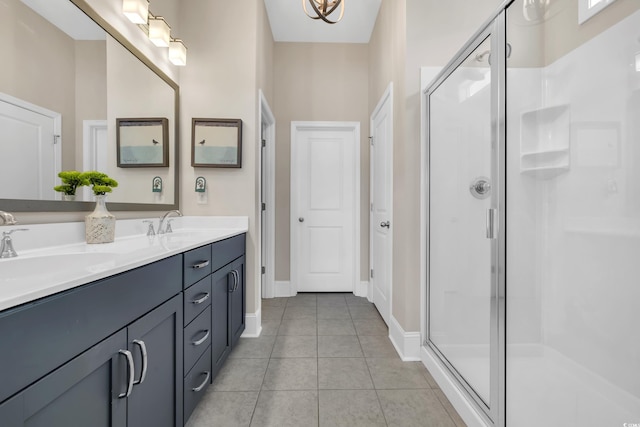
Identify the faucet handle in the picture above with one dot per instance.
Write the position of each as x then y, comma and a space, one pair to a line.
150, 230
169, 229
10, 232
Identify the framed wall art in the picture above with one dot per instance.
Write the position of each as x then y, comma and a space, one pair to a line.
216, 143
142, 143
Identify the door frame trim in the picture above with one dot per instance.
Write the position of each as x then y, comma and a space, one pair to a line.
296, 127
493, 412
266, 115
385, 100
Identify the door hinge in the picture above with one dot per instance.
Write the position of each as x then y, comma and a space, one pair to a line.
371, 207
264, 206
372, 273
264, 269
371, 140
56, 138
264, 143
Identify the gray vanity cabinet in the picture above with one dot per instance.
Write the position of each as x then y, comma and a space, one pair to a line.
83, 392
91, 389
237, 300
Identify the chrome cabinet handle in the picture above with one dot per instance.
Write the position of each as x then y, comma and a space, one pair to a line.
145, 364
201, 386
202, 264
236, 280
202, 299
129, 357
203, 339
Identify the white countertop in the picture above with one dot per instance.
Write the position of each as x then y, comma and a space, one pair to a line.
54, 257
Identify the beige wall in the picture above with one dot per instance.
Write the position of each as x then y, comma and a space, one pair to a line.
318, 82
91, 87
221, 81
31, 44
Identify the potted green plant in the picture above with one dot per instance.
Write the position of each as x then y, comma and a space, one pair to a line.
100, 225
71, 180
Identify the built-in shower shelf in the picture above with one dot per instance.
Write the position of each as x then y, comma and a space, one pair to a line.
545, 141
545, 172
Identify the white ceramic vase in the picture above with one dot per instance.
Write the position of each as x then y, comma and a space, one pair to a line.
69, 197
100, 225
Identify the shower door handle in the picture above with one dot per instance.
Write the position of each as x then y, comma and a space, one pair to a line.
491, 224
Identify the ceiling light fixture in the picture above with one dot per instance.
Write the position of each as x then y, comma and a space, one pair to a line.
323, 8
159, 31
136, 10
177, 53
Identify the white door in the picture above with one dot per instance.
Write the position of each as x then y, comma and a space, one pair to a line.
381, 203
325, 201
30, 149
94, 150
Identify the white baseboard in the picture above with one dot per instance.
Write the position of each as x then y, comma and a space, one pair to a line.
407, 344
362, 289
253, 325
283, 289
456, 396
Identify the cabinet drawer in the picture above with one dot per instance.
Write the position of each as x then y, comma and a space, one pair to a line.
225, 251
197, 338
196, 383
197, 264
196, 299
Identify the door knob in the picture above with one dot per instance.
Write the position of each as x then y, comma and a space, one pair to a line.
385, 224
300, 219
480, 188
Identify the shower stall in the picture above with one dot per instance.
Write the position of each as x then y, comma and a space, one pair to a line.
532, 205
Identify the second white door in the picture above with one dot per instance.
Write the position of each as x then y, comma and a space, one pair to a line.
324, 206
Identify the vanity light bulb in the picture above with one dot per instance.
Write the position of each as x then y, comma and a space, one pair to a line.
178, 53
159, 32
136, 10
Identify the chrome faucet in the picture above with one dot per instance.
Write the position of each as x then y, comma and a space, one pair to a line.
162, 220
7, 218
6, 244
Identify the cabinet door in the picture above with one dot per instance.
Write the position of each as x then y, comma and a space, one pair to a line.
222, 282
83, 392
237, 300
155, 341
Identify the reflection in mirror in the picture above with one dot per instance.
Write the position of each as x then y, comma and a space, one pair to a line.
64, 83
142, 143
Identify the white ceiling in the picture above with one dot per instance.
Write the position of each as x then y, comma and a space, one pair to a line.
68, 18
289, 23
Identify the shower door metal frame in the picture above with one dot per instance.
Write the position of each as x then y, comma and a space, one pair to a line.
495, 412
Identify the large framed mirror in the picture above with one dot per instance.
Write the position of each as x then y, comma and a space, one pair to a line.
67, 76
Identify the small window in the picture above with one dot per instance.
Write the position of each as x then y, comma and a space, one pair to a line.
589, 8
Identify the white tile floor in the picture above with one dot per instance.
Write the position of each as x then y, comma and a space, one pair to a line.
322, 360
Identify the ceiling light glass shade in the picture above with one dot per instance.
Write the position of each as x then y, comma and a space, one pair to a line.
321, 9
177, 53
136, 10
159, 31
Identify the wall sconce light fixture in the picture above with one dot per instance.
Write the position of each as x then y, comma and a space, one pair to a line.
177, 52
136, 10
159, 31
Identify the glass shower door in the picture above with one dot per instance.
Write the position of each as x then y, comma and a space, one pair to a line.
463, 220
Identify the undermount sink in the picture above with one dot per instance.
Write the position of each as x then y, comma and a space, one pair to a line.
26, 267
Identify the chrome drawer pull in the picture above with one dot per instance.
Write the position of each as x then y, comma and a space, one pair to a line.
129, 357
205, 296
143, 350
202, 264
201, 386
203, 339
